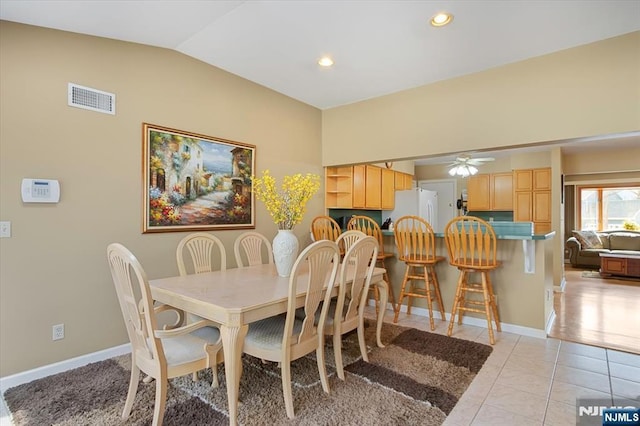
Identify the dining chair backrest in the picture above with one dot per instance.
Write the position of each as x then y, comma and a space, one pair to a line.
369, 227
348, 239
202, 246
357, 267
325, 228
319, 261
415, 240
250, 245
139, 315
471, 243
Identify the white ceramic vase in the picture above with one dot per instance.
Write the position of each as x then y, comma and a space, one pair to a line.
285, 251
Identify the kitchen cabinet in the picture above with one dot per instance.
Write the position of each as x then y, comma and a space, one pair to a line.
403, 181
532, 195
501, 191
388, 194
359, 186
363, 187
373, 189
478, 198
490, 192
338, 187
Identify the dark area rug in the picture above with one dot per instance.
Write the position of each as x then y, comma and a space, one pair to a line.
416, 379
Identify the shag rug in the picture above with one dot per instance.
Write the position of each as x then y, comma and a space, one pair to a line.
416, 379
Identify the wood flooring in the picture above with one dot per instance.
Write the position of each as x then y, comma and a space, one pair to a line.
598, 312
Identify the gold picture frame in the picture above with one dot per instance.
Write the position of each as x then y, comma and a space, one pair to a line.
194, 182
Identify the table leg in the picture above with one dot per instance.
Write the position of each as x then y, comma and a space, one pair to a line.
232, 343
383, 290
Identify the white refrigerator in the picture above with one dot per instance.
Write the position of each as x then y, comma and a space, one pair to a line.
416, 202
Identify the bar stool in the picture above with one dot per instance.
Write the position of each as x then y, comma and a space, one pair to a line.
371, 228
325, 228
471, 244
415, 243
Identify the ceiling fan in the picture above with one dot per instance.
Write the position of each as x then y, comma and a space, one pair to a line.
465, 166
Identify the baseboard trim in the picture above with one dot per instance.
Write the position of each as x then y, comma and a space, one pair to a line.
552, 318
480, 322
69, 364
560, 288
59, 367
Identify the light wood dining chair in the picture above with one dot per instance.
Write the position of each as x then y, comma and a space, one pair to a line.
206, 253
160, 353
286, 338
346, 312
472, 246
348, 238
415, 245
249, 246
325, 228
371, 228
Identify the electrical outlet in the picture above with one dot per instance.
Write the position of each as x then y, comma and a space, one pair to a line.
58, 332
5, 229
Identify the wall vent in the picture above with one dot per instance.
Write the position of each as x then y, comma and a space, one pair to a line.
91, 99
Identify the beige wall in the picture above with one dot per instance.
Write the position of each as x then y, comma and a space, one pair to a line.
584, 91
54, 268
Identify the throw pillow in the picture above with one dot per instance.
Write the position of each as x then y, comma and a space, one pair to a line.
588, 239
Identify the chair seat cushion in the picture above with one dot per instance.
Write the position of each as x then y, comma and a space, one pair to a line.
189, 347
268, 333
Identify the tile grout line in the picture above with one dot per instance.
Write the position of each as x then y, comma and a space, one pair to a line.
553, 377
494, 382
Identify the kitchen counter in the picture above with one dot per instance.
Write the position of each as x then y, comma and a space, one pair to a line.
534, 237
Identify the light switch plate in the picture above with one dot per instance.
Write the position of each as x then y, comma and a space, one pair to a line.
5, 229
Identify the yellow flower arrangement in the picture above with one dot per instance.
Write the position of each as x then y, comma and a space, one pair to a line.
288, 204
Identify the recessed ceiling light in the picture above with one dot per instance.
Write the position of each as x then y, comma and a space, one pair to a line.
325, 61
441, 19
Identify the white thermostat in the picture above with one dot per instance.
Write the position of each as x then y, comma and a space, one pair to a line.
40, 191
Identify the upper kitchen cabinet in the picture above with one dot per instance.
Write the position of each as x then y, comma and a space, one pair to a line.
388, 191
359, 186
338, 187
403, 181
501, 191
373, 189
487, 192
478, 198
532, 192
363, 187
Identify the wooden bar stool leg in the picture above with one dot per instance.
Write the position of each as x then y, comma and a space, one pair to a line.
402, 295
487, 308
456, 303
463, 296
494, 305
425, 274
436, 287
386, 278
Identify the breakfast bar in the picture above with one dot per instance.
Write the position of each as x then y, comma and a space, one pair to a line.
523, 284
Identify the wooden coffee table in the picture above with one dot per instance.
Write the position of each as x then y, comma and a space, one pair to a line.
627, 265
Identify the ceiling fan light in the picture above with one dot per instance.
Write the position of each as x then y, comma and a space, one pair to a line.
472, 170
453, 171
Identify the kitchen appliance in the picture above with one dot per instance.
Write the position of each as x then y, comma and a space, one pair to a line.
417, 202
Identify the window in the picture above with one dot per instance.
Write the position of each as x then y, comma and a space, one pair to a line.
605, 208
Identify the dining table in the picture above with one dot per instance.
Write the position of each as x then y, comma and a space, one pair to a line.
234, 298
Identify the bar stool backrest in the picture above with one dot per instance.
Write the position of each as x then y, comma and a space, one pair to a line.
415, 240
471, 243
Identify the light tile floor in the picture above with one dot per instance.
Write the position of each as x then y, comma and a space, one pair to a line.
525, 380
531, 381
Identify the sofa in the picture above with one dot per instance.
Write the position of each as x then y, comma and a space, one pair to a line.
585, 246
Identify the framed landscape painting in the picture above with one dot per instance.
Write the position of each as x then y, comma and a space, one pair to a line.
194, 182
